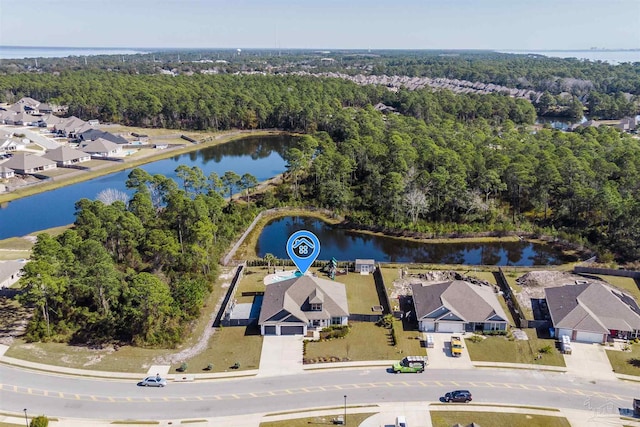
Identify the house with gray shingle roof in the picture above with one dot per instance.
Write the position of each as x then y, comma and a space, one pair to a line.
102, 148
294, 306
93, 134
69, 126
457, 306
65, 156
592, 312
29, 164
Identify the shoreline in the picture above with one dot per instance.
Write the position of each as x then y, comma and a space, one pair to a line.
212, 140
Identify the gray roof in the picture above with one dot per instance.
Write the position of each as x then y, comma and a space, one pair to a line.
70, 124
23, 162
100, 146
65, 154
288, 300
465, 300
93, 134
592, 307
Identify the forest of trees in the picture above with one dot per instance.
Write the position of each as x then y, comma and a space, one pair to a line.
138, 272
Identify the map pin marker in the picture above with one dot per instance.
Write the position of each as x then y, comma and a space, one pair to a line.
303, 247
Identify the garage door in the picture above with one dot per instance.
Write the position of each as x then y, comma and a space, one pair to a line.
291, 330
565, 332
588, 337
269, 330
450, 327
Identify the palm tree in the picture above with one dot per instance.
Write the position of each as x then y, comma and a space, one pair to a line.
269, 258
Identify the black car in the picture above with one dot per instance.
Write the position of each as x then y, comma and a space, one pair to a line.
458, 396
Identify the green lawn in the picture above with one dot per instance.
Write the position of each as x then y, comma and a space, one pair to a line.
227, 346
449, 418
361, 292
252, 281
500, 349
620, 360
366, 341
352, 420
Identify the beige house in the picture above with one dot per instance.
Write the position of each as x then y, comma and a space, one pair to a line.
10, 272
102, 148
65, 156
294, 306
6, 172
457, 306
26, 164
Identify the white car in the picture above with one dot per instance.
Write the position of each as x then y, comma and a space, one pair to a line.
153, 382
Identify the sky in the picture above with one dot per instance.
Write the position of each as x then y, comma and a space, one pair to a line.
325, 24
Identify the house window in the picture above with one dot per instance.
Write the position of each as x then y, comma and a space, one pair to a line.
316, 307
336, 321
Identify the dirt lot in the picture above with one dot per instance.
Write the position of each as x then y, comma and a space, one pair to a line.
534, 283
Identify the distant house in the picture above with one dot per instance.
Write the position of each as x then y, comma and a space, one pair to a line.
384, 108
6, 173
592, 312
26, 164
70, 126
49, 120
102, 148
20, 119
94, 134
365, 266
10, 272
12, 145
65, 156
457, 306
627, 124
294, 306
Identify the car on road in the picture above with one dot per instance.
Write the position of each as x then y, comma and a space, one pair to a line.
458, 396
153, 382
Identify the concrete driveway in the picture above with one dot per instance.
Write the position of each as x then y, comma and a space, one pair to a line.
589, 360
281, 355
440, 355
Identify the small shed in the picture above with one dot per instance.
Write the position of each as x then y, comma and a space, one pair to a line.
365, 266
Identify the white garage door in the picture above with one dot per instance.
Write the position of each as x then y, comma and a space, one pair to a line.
450, 327
565, 332
588, 337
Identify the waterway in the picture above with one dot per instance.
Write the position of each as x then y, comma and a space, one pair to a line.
613, 57
346, 245
261, 156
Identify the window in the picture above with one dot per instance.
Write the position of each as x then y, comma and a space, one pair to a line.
336, 321
316, 307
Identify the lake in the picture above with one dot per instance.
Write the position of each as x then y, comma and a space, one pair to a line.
347, 246
260, 156
613, 57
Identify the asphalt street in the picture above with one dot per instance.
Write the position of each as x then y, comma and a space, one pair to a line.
66, 396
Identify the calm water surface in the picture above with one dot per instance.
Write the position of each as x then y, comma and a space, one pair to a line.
259, 156
345, 245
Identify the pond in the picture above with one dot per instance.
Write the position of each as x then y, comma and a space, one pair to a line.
347, 246
260, 156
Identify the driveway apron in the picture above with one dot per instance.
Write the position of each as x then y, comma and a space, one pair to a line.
589, 360
281, 355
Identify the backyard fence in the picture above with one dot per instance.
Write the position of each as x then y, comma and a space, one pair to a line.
382, 291
227, 303
512, 301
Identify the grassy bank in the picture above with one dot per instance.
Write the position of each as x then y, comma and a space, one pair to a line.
449, 418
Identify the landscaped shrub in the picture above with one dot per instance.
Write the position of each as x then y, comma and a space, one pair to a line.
183, 367
547, 349
475, 338
39, 421
335, 331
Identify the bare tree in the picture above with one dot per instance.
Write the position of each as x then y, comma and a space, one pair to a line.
111, 195
416, 203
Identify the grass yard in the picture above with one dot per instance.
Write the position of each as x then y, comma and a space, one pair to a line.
625, 283
620, 360
352, 419
361, 292
366, 341
252, 281
449, 418
227, 346
500, 349
16, 243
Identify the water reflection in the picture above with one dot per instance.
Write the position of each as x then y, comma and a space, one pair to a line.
261, 156
345, 245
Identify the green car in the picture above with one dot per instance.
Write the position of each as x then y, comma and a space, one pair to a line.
410, 364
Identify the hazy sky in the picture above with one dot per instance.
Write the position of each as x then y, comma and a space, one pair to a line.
331, 24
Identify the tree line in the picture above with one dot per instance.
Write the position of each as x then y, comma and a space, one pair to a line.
136, 272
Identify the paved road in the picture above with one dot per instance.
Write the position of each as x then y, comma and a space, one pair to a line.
63, 396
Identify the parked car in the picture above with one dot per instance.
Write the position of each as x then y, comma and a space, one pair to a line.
401, 421
458, 396
410, 364
153, 382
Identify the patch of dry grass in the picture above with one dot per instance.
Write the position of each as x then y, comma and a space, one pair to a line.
449, 418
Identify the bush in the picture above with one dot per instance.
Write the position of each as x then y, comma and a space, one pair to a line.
336, 331
39, 421
183, 367
547, 349
475, 338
